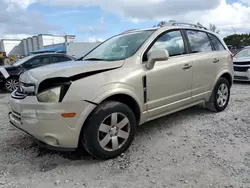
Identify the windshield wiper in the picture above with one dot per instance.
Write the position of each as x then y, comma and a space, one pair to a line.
94, 59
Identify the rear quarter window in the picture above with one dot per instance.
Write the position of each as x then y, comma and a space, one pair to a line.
218, 46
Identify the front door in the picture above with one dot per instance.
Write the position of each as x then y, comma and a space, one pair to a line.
37, 62
169, 83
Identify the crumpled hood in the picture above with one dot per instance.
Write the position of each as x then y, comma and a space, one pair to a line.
66, 69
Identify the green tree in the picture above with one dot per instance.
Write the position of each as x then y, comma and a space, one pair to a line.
238, 40
160, 24
213, 28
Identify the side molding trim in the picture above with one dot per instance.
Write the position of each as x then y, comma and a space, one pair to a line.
144, 83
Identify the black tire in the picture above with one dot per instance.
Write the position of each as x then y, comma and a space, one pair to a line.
213, 104
7, 87
90, 136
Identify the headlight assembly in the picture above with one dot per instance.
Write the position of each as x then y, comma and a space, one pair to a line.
51, 95
53, 90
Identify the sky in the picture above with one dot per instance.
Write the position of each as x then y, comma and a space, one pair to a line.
92, 20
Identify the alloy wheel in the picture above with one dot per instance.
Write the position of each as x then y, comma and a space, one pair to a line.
222, 95
114, 131
12, 84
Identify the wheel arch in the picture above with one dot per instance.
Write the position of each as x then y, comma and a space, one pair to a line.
124, 97
225, 74
129, 101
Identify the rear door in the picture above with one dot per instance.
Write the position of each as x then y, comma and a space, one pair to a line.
36, 62
205, 63
220, 52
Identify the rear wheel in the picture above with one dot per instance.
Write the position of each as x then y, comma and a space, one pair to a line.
109, 131
11, 84
220, 96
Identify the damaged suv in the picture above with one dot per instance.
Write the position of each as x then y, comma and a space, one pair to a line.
99, 101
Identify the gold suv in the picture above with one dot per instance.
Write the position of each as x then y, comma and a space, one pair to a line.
98, 101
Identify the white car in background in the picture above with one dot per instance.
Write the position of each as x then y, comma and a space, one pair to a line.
242, 65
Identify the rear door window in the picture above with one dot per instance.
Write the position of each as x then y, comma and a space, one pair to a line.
199, 41
57, 59
216, 43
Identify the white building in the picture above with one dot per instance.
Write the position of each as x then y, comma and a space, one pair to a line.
46, 42
8, 45
35, 43
30, 45
46, 39
79, 49
40, 41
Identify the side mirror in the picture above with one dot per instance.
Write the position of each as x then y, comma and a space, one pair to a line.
156, 55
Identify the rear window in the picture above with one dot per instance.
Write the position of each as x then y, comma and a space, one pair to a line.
199, 41
216, 42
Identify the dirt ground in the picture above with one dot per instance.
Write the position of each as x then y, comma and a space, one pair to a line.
191, 148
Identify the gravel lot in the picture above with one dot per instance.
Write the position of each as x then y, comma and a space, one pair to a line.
191, 148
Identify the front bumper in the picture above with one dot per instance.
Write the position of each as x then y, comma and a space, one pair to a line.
40, 143
242, 76
44, 121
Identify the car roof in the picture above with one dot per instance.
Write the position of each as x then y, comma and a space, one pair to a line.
44, 54
163, 28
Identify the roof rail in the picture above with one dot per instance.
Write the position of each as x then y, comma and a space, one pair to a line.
127, 31
173, 23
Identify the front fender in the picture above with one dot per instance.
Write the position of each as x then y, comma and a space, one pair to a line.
106, 92
120, 88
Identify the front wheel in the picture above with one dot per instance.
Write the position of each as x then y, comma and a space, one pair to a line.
109, 131
220, 96
11, 84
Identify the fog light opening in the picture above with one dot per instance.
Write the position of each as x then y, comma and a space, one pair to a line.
51, 140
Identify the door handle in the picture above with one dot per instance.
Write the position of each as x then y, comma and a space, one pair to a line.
216, 60
187, 66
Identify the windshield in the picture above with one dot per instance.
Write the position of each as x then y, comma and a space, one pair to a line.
21, 61
119, 47
243, 53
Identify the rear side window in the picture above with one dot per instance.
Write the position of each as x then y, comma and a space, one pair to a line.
199, 41
56, 59
216, 42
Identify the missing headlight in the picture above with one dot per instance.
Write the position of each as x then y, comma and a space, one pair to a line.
53, 90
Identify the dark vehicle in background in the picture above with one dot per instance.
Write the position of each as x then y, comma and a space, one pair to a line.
9, 75
242, 65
